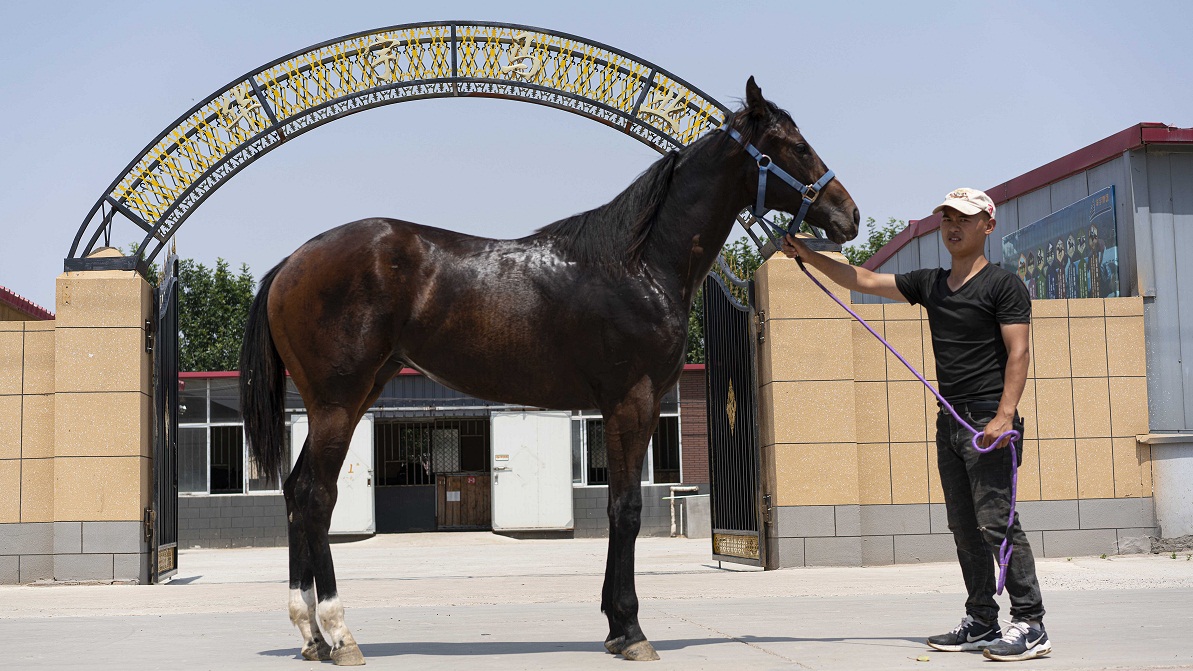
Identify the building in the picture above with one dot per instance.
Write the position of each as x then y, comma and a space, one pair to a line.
433, 452
1124, 205
14, 307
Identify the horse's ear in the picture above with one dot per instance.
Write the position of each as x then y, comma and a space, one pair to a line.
755, 103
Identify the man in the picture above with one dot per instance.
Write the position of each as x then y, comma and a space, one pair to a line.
980, 316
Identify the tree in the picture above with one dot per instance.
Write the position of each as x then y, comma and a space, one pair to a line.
860, 252
213, 308
743, 258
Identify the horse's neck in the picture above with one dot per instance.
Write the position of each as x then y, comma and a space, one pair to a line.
699, 212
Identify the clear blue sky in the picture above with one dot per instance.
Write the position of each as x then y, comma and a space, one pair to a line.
904, 100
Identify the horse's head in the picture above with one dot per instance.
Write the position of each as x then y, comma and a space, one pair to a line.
773, 132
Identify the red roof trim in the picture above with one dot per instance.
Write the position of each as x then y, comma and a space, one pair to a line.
1106, 149
24, 305
693, 366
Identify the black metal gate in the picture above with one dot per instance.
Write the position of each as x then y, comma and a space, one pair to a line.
161, 521
733, 443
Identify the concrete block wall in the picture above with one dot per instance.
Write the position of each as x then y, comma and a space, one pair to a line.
590, 511
232, 521
863, 488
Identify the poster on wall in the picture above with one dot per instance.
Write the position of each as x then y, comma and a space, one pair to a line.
1071, 253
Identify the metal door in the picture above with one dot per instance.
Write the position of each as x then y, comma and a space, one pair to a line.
532, 471
161, 520
355, 511
733, 443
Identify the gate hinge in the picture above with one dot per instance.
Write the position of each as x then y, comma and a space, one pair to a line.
760, 324
766, 514
148, 335
150, 518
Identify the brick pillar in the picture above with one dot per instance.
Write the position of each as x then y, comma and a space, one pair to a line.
808, 420
102, 426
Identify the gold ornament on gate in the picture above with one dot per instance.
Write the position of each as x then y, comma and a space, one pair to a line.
667, 106
731, 407
238, 107
387, 57
522, 61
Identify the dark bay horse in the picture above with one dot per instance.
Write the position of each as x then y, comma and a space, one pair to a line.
588, 312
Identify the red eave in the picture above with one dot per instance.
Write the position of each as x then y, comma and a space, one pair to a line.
1103, 150
693, 366
24, 305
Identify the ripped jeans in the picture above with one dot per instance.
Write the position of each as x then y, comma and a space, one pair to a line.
977, 490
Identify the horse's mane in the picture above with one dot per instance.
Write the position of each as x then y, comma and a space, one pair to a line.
615, 234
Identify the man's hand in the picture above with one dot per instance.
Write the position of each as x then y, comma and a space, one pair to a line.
997, 426
793, 247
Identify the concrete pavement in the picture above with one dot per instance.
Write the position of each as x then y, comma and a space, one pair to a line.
456, 600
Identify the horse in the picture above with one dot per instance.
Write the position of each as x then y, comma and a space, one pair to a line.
588, 312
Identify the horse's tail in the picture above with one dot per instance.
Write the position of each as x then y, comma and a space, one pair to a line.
263, 383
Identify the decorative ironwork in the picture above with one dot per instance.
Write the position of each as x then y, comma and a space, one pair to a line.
163, 541
734, 452
255, 113
740, 547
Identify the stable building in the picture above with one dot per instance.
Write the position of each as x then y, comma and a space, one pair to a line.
429, 458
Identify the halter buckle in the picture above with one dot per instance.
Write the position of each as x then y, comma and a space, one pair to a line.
811, 193
764, 161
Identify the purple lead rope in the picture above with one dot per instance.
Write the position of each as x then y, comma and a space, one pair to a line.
1004, 550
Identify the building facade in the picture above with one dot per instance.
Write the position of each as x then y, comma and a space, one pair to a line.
432, 461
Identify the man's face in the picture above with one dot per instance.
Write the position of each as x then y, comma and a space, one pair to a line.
1060, 250
1081, 244
1071, 246
1093, 236
964, 234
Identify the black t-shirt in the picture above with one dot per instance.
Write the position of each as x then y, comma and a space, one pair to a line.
971, 357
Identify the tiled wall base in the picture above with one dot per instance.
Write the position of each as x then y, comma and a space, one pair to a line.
232, 521
73, 552
590, 504
907, 534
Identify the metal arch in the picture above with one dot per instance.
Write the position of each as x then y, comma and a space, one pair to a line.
255, 113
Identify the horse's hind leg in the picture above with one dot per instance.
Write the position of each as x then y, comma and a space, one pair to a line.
331, 429
628, 426
302, 571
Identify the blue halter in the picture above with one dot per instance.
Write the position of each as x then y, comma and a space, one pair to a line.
765, 167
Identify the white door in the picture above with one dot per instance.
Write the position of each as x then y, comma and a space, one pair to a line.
354, 511
532, 470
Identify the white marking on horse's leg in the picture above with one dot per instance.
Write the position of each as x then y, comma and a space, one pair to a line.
302, 614
331, 619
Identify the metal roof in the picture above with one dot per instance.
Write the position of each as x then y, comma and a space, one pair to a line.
1106, 149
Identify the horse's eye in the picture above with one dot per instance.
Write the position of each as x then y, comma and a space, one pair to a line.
801, 148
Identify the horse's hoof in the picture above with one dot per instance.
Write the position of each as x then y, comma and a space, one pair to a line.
615, 645
347, 655
319, 651
642, 651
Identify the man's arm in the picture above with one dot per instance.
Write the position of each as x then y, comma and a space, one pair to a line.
1016, 338
850, 277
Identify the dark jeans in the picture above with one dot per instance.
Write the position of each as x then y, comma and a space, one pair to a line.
977, 490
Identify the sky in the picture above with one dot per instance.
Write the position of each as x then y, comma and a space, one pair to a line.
903, 100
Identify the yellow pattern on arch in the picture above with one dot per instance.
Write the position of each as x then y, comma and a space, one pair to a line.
393, 64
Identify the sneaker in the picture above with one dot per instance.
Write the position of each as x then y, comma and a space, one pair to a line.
969, 635
1022, 641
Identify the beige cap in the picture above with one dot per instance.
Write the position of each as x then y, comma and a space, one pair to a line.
967, 201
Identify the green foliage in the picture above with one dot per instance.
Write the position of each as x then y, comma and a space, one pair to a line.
213, 308
740, 255
858, 252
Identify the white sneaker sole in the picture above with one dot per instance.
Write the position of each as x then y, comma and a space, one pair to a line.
963, 647
1038, 651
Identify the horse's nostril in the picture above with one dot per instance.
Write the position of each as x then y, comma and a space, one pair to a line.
857, 217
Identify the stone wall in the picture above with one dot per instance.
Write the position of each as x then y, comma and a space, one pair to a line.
848, 433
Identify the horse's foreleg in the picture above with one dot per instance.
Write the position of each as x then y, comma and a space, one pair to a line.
330, 433
628, 426
302, 571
